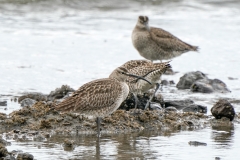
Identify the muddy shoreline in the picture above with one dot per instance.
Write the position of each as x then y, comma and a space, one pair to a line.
41, 121
37, 120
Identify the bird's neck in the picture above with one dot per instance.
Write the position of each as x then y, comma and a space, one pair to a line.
143, 27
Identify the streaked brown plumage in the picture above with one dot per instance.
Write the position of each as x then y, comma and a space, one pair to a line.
157, 44
100, 97
97, 98
146, 69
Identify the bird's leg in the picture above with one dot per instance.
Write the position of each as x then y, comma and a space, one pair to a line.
98, 121
98, 147
150, 99
136, 101
161, 86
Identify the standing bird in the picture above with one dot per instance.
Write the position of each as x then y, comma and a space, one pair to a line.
157, 44
149, 71
100, 97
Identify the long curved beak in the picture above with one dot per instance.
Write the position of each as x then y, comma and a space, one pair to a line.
138, 77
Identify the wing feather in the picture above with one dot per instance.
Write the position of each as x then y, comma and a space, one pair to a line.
94, 95
167, 41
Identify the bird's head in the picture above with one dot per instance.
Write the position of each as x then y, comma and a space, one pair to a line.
121, 74
143, 22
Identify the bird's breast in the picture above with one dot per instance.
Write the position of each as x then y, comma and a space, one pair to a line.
125, 90
140, 39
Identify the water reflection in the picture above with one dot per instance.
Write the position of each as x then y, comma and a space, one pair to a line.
122, 146
143, 145
223, 136
97, 156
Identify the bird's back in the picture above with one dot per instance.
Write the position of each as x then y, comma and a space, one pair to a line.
168, 42
97, 98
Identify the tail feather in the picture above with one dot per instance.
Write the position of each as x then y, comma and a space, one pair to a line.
66, 105
195, 48
162, 65
161, 69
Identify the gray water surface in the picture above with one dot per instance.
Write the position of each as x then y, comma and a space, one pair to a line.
47, 43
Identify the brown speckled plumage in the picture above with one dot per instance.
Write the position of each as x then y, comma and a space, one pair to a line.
146, 69
157, 44
98, 98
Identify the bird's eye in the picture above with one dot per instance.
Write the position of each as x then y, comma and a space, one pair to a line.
122, 72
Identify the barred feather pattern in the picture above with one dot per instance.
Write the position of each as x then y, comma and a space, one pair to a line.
148, 70
97, 98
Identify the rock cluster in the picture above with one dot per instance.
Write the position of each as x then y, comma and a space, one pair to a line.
30, 98
199, 82
158, 102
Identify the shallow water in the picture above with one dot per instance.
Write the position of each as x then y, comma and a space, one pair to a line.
44, 44
221, 142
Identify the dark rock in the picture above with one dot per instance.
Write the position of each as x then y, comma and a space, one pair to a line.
188, 79
47, 135
37, 96
33, 133
189, 123
129, 103
9, 157
3, 103
186, 106
164, 82
195, 108
202, 86
171, 82
196, 143
16, 131
3, 151
179, 104
27, 102
4, 142
68, 145
59, 93
231, 78
171, 109
223, 109
24, 156
3, 116
219, 86
39, 138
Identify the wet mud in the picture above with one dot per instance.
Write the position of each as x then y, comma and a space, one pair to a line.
41, 121
43, 117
